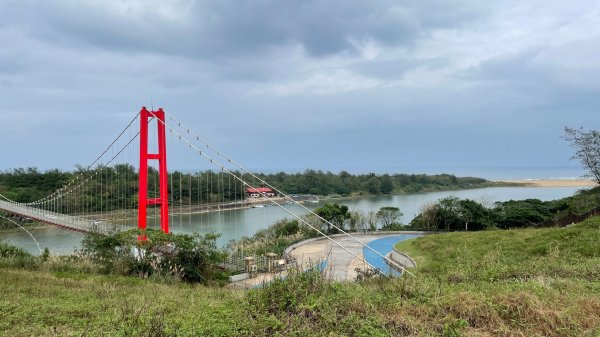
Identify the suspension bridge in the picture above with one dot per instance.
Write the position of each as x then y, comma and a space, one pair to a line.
128, 185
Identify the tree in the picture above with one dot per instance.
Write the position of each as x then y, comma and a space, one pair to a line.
521, 213
357, 221
447, 210
587, 149
473, 212
373, 184
333, 214
388, 216
430, 216
371, 219
285, 227
387, 184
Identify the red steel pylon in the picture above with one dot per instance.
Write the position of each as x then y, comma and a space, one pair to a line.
161, 156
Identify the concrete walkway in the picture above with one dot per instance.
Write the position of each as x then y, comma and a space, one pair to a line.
341, 265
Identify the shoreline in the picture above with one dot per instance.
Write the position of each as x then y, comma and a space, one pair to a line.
550, 182
175, 210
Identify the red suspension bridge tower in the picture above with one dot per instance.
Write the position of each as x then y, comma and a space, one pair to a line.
143, 201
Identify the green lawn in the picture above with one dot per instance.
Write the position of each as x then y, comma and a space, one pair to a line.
529, 282
532, 282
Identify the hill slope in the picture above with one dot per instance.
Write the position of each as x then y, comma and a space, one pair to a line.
526, 282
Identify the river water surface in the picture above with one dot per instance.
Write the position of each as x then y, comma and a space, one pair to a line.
234, 224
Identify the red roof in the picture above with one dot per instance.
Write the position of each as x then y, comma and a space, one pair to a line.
259, 190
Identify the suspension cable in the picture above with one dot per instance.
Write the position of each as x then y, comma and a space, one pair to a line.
85, 170
25, 229
202, 153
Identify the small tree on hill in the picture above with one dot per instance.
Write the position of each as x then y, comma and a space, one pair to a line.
587, 149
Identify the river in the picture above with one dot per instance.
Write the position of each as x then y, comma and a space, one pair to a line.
234, 224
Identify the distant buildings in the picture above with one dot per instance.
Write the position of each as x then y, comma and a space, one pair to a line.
259, 192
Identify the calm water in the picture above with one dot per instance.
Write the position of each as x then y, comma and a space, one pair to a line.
237, 223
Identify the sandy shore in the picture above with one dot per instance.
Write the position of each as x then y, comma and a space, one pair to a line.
553, 182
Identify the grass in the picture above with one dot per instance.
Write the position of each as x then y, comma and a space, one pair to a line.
531, 282
508, 255
528, 282
63, 304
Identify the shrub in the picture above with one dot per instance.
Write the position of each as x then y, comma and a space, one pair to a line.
191, 258
9, 251
12, 256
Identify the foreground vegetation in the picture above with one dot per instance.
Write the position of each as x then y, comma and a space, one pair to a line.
521, 282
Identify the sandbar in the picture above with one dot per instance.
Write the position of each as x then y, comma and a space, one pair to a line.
553, 182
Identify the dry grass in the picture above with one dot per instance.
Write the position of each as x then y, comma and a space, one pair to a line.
530, 282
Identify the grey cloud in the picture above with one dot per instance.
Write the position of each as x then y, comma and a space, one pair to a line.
74, 74
216, 29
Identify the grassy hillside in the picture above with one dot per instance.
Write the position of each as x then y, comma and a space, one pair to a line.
527, 282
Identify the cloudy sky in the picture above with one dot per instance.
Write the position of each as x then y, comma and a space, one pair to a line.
432, 85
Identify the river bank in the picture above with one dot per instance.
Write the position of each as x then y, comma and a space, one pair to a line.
234, 224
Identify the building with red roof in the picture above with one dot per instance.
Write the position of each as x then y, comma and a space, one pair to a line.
258, 192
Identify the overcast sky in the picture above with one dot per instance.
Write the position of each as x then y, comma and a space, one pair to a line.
356, 85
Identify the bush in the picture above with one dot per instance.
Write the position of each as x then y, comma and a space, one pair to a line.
8, 251
191, 258
274, 239
287, 296
395, 226
12, 256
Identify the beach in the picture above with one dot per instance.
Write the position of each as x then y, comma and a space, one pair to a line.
553, 182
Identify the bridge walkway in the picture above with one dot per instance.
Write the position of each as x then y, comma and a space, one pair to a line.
77, 223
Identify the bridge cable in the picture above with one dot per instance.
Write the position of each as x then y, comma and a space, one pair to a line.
208, 145
53, 201
25, 229
202, 153
85, 170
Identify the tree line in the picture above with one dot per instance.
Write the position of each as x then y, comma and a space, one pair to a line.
113, 187
454, 214
345, 184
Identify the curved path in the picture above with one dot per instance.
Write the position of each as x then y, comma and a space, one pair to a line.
340, 265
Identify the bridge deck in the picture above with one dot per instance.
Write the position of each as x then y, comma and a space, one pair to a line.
76, 223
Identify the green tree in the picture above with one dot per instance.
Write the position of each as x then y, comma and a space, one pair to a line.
472, 212
521, 213
448, 211
388, 216
373, 184
387, 184
333, 214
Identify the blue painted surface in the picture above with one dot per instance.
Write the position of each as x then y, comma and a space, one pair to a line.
384, 246
323, 265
